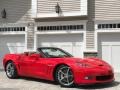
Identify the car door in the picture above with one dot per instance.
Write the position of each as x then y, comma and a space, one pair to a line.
26, 65
34, 65
41, 67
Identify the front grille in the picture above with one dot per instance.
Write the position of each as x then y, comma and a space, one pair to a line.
102, 78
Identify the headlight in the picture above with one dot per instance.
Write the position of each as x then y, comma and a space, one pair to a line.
84, 65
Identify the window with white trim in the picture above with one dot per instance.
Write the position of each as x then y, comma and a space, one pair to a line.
13, 29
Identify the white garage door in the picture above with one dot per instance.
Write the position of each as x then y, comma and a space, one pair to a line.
109, 49
71, 43
11, 44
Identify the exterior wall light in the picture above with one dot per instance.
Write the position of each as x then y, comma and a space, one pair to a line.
3, 13
57, 8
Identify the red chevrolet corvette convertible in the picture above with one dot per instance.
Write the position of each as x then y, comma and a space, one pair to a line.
57, 65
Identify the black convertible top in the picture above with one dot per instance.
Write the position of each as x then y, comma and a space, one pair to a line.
47, 48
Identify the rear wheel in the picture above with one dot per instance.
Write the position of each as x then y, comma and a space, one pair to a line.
64, 76
11, 70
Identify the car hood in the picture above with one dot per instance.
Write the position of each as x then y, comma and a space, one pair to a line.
96, 63
93, 62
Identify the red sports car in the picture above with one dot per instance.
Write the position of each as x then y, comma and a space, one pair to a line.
57, 65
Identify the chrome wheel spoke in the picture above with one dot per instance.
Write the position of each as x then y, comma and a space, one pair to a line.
62, 72
8, 69
68, 71
64, 79
12, 71
67, 80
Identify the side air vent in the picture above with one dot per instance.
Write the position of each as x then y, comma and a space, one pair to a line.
101, 65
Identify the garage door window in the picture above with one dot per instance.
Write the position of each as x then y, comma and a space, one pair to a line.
7, 29
108, 26
64, 27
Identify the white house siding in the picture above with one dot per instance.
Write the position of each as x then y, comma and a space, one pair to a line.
48, 6
107, 9
18, 11
90, 45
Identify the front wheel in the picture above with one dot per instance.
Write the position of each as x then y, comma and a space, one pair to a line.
64, 76
11, 70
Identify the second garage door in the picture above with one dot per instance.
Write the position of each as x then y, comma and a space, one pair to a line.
109, 49
11, 44
72, 43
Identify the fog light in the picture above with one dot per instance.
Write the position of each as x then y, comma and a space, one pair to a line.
88, 78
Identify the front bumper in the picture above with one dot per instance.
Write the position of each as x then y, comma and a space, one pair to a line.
93, 76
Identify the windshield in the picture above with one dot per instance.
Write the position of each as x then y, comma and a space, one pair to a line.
54, 53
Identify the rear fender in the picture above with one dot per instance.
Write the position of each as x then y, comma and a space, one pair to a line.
11, 57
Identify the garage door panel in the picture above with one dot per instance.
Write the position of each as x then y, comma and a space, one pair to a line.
11, 44
16, 49
61, 38
109, 49
116, 57
106, 53
110, 37
3, 50
111, 43
70, 43
67, 48
77, 50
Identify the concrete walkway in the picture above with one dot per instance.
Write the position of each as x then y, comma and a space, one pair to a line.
35, 84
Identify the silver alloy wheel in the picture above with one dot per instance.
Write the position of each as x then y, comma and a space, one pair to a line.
65, 76
10, 69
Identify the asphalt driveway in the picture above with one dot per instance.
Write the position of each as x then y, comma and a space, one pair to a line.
35, 84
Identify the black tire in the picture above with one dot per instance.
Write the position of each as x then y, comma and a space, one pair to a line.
64, 79
11, 70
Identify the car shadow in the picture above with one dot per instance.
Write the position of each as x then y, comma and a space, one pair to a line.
99, 86
39, 80
95, 86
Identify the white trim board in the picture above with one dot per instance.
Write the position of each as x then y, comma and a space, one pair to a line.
34, 8
106, 21
65, 14
75, 22
13, 24
108, 31
60, 32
